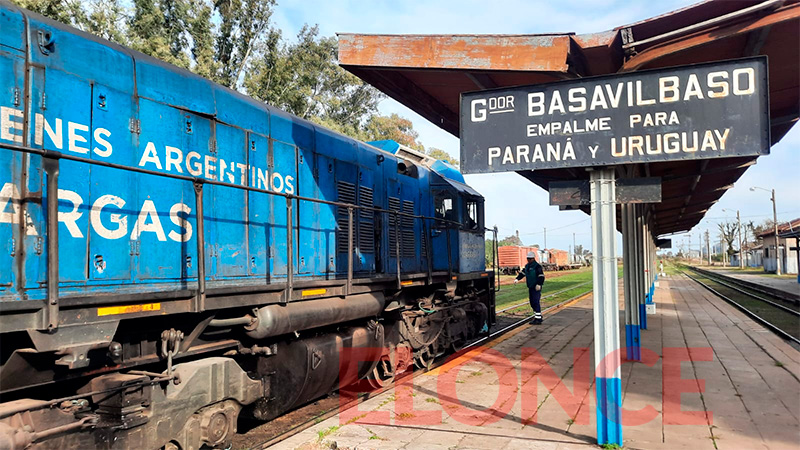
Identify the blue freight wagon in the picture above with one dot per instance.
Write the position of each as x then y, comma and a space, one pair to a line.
195, 256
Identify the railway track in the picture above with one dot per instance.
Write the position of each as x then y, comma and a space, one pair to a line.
778, 313
266, 435
787, 297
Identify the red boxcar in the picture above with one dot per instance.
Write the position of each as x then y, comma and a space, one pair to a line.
513, 257
558, 259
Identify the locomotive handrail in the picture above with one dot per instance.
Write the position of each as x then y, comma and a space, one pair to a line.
51, 166
59, 155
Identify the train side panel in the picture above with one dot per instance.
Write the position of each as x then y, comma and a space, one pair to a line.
131, 231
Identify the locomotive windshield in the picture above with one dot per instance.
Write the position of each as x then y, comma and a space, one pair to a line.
444, 207
471, 215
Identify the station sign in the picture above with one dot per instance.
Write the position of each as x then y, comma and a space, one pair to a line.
701, 111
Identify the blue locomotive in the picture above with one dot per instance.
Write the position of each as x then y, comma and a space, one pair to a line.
177, 255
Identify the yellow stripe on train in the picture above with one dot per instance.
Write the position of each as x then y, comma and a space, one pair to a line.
127, 309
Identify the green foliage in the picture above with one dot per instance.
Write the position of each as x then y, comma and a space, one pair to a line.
510, 240
104, 18
304, 79
233, 43
396, 128
488, 250
442, 155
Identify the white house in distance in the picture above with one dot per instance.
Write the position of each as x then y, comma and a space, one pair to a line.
787, 237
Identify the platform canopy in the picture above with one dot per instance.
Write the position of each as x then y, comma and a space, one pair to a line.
428, 73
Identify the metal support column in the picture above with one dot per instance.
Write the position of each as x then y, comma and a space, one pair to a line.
646, 253
606, 308
651, 252
632, 332
641, 286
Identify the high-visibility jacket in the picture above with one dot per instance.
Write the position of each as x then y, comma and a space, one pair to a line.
533, 274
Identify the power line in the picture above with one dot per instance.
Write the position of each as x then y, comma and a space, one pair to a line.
557, 228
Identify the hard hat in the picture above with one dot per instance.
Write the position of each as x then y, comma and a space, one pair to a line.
531, 255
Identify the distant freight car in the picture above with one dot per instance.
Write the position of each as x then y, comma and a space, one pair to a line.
513, 258
176, 253
557, 259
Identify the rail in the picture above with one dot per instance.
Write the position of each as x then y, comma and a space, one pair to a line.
719, 280
774, 328
51, 164
753, 286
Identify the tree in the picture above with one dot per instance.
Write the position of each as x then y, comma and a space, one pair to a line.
231, 42
243, 24
104, 18
510, 240
159, 28
304, 79
394, 127
728, 231
488, 252
64, 11
443, 155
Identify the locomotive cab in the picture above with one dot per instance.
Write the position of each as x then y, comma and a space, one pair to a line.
461, 225
457, 234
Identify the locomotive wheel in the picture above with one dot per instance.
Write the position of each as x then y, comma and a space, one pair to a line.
424, 358
421, 331
383, 373
457, 345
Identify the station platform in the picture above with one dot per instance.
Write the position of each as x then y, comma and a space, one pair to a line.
787, 284
485, 399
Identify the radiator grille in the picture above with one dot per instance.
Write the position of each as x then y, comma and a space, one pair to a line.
406, 232
394, 205
366, 221
346, 193
408, 239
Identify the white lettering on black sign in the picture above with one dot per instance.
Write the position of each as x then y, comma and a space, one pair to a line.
704, 111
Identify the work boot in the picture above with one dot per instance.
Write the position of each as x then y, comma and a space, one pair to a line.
537, 319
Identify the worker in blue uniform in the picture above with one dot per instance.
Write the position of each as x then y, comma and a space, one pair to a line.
534, 276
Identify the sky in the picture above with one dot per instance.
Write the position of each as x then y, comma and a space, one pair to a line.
512, 202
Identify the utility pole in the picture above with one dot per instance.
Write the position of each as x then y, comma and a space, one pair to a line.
574, 251
774, 228
545, 238
723, 249
777, 240
708, 248
739, 225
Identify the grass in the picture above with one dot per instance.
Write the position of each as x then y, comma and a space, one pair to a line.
756, 271
672, 269
326, 432
610, 446
373, 436
513, 294
432, 400
778, 364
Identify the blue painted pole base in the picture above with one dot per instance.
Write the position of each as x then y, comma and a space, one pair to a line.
651, 292
643, 317
609, 411
632, 341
